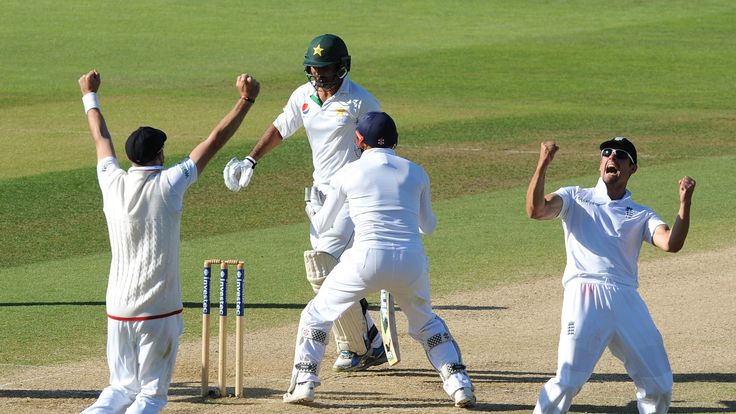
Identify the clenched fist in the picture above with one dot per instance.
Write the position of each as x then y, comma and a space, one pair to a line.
89, 82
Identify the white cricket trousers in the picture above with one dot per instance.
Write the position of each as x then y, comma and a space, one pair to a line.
336, 241
141, 356
597, 315
365, 270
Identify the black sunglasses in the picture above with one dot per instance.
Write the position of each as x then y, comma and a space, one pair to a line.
618, 153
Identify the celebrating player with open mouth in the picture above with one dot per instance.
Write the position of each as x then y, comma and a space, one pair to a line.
604, 229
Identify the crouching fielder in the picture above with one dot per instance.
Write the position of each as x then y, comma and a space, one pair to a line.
389, 202
604, 229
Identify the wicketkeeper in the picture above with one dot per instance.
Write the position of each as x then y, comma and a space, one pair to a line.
390, 204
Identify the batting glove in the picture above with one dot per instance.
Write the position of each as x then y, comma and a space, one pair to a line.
229, 174
246, 167
237, 174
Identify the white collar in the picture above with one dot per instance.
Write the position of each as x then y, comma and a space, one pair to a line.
601, 191
146, 168
380, 150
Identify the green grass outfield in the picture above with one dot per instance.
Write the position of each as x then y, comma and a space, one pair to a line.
474, 89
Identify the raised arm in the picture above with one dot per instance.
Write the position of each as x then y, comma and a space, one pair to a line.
672, 240
538, 205
89, 83
203, 153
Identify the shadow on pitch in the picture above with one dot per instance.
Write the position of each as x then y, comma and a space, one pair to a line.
49, 394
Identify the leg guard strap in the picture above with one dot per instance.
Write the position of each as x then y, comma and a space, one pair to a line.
436, 339
314, 334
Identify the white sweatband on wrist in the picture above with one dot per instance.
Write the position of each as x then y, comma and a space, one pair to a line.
90, 101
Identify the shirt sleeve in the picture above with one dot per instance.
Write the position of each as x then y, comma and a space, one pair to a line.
290, 119
107, 169
566, 194
653, 221
427, 219
179, 178
325, 217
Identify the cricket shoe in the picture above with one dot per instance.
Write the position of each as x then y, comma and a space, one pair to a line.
464, 397
301, 394
349, 361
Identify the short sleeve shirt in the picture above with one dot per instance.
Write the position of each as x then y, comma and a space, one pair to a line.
603, 237
330, 126
143, 209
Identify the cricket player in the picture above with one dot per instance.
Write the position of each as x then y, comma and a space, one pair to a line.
604, 229
390, 203
327, 107
143, 208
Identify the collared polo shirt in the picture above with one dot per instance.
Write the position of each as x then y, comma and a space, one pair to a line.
603, 237
330, 125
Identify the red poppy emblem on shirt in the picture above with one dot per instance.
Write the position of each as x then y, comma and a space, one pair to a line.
305, 108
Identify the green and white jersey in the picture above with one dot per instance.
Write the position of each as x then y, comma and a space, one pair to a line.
330, 125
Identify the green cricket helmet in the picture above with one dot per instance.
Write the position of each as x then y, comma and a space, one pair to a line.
325, 50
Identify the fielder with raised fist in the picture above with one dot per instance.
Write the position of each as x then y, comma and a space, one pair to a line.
143, 208
604, 230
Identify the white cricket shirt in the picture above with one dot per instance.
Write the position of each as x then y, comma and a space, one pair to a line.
603, 237
330, 127
143, 209
389, 200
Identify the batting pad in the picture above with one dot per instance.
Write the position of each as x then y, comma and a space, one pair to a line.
350, 329
318, 265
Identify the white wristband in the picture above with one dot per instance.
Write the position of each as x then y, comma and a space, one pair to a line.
90, 101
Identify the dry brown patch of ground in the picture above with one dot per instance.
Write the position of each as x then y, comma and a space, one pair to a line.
508, 336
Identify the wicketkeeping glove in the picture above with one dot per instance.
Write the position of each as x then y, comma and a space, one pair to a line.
237, 174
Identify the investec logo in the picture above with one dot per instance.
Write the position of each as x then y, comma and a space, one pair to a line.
223, 292
206, 292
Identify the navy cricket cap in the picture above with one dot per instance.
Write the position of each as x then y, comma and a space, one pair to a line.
378, 130
144, 143
621, 143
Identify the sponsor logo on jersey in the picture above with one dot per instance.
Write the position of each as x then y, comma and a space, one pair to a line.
184, 170
588, 201
571, 328
305, 108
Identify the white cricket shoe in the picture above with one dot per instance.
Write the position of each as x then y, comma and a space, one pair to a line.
464, 397
301, 394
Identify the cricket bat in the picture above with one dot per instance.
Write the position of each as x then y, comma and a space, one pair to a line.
388, 328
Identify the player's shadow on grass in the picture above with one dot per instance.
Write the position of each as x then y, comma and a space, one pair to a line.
198, 305
68, 303
188, 305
